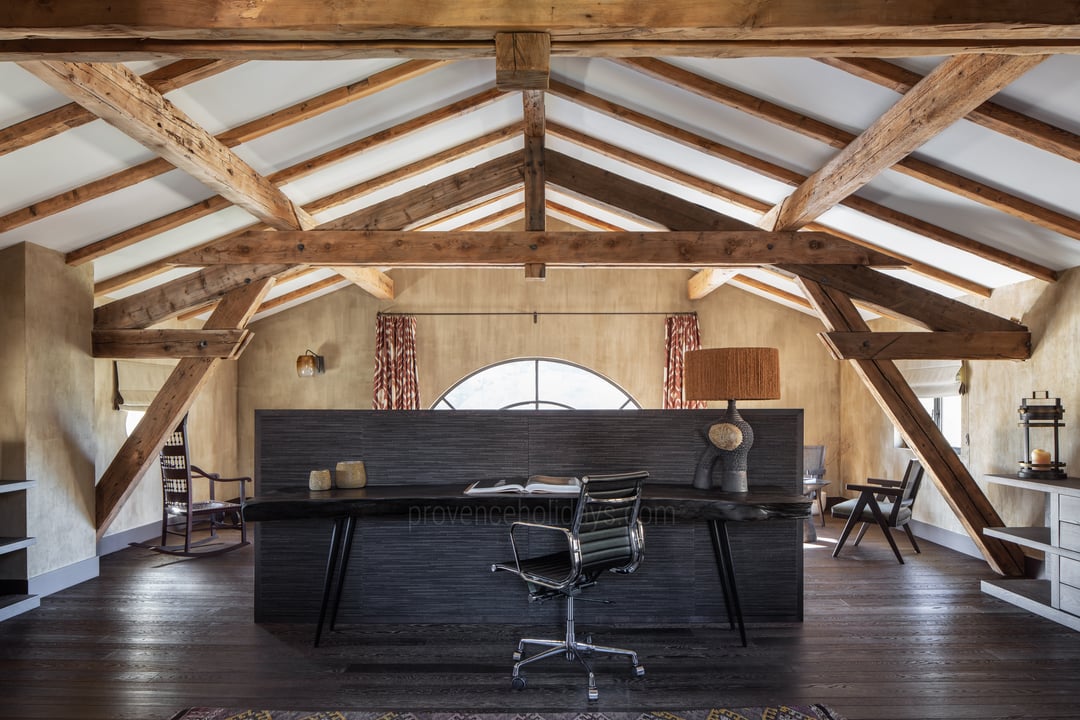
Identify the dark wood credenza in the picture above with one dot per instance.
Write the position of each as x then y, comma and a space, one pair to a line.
419, 558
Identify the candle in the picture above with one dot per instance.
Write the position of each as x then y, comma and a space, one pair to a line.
1040, 458
319, 480
351, 474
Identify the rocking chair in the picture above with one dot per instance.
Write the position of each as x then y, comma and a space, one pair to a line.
182, 514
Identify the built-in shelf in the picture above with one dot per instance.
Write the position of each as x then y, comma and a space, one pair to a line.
7, 486
13, 502
11, 544
1055, 597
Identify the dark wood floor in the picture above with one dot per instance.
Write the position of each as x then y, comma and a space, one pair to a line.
153, 635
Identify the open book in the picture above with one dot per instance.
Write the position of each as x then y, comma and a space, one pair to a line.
535, 484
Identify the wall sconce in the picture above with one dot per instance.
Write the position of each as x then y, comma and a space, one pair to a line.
748, 373
310, 364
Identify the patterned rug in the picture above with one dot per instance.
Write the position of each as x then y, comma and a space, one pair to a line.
778, 712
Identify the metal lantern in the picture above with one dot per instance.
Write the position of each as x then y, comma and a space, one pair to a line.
1035, 413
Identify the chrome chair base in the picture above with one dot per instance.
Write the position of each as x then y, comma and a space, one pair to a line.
573, 650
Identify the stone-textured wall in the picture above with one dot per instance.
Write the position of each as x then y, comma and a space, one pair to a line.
627, 348
992, 441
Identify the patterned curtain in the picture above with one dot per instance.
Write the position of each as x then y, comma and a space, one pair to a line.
396, 386
681, 333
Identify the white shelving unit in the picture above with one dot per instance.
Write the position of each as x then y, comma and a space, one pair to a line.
1057, 597
13, 580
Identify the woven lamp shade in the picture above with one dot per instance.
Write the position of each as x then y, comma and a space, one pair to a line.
738, 373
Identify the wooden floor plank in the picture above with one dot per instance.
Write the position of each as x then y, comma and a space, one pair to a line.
154, 635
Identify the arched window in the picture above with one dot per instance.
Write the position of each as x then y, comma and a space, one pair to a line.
535, 384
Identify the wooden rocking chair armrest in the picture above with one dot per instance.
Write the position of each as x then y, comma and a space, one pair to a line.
196, 470
876, 489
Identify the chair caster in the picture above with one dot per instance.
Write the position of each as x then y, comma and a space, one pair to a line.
594, 694
639, 671
517, 682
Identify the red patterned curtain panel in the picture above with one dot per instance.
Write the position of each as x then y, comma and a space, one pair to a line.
396, 385
681, 333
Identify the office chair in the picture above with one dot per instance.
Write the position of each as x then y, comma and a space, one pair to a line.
870, 507
605, 534
180, 511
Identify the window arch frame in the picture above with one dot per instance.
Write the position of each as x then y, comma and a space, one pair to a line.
629, 403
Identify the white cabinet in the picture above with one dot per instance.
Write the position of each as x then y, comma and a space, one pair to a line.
1057, 597
13, 543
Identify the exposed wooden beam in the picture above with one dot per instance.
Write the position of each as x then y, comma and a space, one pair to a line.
304, 168
596, 249
169, 405
781, 174
53, 122
116, 50
168, 300
705, 281
125, 101
909, 416
437, 198
522, 60
535, 179
749, 203
572, 20
966, 187
299, 293
996, 345
949, 92
246, 132
168, 343
922, 307
534, 124
797, 300
998, 118
371, 280
581, 218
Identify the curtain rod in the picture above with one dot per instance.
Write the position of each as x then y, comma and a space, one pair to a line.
535, 313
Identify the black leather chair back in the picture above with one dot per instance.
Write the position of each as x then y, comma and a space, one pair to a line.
606, 525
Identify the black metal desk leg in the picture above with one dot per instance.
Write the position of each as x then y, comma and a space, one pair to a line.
346, 552
721, 571
331, 565
726, 566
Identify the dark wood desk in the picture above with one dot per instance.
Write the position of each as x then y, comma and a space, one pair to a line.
412, 503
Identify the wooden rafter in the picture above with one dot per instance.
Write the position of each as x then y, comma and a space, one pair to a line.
790, 177
991, 115
595, 249
246, 132
304, 168
168, 300
572, 21
966, 187
126, 101
950, 92
981, 345
917, 305
53, 122
169, 405
160, 343
704, 283
909, 416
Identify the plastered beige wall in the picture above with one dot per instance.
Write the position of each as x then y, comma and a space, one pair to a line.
49, 434
628, 348
993, 443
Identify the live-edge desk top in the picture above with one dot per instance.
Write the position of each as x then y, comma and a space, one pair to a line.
672, 502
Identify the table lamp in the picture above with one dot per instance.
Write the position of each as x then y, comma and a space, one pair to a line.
737, 373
